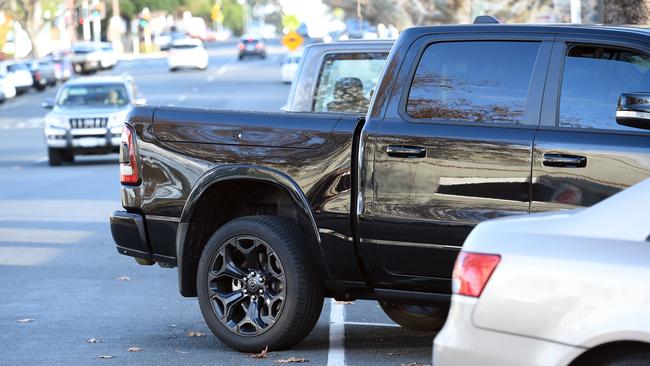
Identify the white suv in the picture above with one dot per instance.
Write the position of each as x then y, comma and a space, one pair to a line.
87, 116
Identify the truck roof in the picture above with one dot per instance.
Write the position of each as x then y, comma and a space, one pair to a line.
352, 45
574, 29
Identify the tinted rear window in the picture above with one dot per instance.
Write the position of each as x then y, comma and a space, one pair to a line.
16, 67
184, 46
475, 82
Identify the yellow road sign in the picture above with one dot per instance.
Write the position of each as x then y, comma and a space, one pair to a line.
292, 40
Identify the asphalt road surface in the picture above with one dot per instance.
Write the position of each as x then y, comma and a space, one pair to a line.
68, 298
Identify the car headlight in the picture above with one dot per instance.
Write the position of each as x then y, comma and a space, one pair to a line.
118, 119
56, 121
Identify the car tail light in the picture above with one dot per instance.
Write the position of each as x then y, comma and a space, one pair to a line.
472, 272
37, 75
128, 159
259, 46
241, 46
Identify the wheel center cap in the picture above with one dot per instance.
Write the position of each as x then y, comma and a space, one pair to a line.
252, 284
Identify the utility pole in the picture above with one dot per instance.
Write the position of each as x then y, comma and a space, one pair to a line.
115, 28
576, 11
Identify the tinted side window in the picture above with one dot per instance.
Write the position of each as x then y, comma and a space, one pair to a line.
593, 79
480, 82
346, 81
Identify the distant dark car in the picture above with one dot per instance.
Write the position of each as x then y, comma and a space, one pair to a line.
63, 68
43, 73
252, 46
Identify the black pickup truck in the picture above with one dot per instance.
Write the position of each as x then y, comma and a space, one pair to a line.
266, 214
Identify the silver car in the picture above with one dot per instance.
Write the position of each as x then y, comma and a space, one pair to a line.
554, 289
87, 116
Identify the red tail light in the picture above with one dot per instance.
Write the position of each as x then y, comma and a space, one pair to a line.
129, 170
241, 46
472, 272
259, 46
37, 75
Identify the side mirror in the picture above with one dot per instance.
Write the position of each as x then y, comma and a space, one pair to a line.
140, 102
48, 104
633, 110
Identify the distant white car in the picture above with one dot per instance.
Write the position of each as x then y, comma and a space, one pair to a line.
290, 65
7, 88
187, 53
554, 289
108, 58
18, 74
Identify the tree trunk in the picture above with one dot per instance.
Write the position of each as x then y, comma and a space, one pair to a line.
626, 11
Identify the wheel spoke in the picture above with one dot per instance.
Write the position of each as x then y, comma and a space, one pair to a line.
229, 301
228, 269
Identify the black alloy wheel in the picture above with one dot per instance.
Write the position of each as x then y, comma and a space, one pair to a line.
257, 285
247, 285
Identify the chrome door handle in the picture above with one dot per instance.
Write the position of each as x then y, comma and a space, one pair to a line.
564, 161
402, 151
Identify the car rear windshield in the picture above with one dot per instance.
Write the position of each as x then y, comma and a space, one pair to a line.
16, 67
96, 96
184, 46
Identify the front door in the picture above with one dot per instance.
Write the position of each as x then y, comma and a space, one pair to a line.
458, 152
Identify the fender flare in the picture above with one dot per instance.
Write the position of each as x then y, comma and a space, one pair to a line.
240, 172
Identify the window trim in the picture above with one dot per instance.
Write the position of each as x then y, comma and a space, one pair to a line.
560, 49
321, 63
535, 88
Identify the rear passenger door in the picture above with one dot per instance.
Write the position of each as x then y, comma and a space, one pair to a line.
454, 152
581, 154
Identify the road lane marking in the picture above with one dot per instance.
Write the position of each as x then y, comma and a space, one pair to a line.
210, 79
336, 354
182, 98
41, 160
373, 324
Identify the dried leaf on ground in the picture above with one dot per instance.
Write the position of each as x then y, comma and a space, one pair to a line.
123, 278
344, 302
105, 357
26, 320
93, 340
292, 360
135, 349
263, 354
195, 334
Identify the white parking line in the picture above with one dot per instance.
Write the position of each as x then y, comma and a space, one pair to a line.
373, 324
336, 354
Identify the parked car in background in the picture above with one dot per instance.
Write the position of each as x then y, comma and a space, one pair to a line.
87, 116
323, 65
558, 289
290, 65
187, 53
7, 88
86, 57
251, 45
43, 73
108, 58
18, 74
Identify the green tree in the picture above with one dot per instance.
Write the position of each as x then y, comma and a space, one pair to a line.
24, 12
233, 16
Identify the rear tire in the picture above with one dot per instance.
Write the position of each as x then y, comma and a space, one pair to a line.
256, 284
54, 156
429, 318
